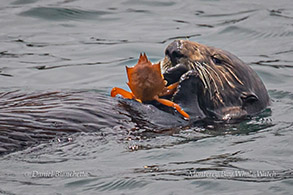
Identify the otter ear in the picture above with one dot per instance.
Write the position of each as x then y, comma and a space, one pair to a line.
248, 98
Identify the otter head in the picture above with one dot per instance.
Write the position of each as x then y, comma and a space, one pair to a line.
219, 83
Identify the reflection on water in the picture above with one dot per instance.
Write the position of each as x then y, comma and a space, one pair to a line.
59, 60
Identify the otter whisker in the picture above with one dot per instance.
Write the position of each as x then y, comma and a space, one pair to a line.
227, 80
217, 93
204, 67
219, 98
191, 65
233, 74
228, 67
165, 64
208, 81
211, 77
200, 72
207, 77
217, 75
202, 77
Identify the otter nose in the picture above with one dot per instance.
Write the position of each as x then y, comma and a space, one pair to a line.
173, 51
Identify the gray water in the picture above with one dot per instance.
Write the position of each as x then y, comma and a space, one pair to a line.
59, 61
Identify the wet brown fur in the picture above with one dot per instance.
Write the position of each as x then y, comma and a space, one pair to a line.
226, 80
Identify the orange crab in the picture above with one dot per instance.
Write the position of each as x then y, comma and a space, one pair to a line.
147, 83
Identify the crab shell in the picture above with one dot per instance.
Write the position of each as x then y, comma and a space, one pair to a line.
145, 79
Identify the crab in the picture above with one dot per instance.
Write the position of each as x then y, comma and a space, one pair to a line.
147, 83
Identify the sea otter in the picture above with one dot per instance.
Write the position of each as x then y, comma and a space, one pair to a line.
213, 83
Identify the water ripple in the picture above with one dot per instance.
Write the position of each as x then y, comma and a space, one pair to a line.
219, 167
82, 64
226, 14
249, 33
101, 41
21, 2
56, 13
119, 184
284, 13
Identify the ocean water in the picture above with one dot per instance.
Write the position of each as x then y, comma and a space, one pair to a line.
61, 133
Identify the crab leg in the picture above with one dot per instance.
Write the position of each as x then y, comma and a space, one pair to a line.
173, 86
170, 89
172, 104
116, 90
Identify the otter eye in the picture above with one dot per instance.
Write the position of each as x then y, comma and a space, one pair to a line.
167, 53
177, 54
216, 60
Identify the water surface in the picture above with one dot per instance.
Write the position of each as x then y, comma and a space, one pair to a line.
64, 56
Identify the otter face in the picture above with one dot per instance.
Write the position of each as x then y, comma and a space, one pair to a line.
215, 67
225, 83
187, 52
